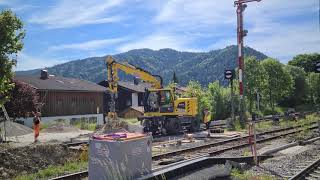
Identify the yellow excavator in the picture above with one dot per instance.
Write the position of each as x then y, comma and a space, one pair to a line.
164, 113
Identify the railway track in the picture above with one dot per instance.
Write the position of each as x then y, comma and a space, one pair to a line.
308, 172
77, 143
227, 145
220, 124
73, 176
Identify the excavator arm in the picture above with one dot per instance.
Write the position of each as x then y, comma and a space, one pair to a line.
113, 66
113, 78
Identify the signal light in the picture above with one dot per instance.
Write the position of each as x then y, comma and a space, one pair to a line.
229, 74
317, 68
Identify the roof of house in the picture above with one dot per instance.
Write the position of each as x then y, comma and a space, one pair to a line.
141, 87
60, 83
136, 108
129, 85
181, 88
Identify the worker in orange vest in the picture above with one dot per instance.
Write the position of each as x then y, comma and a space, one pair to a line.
207, 117
36, 125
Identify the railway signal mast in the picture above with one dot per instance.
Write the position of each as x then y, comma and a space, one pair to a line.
241, 5
230, 75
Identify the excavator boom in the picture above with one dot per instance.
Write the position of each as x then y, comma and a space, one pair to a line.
113, 66
113, 77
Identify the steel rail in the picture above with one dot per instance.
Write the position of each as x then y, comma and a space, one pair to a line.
306, 171
83, 174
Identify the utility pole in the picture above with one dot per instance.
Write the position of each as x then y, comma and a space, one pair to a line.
241, 5
229, 75
232, 103
258, 97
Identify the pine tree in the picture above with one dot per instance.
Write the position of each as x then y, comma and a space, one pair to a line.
174, 78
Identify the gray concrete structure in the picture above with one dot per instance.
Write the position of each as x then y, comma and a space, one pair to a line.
119, 159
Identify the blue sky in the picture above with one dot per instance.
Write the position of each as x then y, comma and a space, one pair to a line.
62, 30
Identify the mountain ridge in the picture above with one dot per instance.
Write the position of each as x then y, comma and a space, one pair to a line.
204, 67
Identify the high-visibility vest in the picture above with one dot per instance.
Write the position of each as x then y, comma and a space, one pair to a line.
207, 117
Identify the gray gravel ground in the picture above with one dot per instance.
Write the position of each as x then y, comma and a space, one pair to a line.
15, 129
284, 164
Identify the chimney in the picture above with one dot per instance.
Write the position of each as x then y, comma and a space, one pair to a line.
136, 81
44, 74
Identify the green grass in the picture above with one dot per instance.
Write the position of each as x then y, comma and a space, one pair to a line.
48, 124
43, 126
53, 171
86, 126
239, 175
277, 110
81, 125
264, 126
301, 122
133, 121
268, 125
237, 125
247, 153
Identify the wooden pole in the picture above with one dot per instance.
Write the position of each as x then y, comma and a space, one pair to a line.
255, 156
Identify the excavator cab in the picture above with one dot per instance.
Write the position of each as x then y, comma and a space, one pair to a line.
165, 113
160, 100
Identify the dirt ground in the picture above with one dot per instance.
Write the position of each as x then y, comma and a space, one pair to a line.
29, 159
54, 133
46, 137
22, 156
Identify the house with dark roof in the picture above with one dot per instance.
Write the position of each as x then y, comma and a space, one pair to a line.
130, 98
67, 98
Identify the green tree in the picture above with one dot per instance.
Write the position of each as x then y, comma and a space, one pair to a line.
314, 83
255, 80
278, 81
220, 100
194, 89
174, 78
11, 36
299, 93
305, 61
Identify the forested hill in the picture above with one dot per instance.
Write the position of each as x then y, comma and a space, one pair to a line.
204, 67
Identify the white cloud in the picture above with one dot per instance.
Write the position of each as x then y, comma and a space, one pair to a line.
88, 45
23, 8
285, 43
26, 62
69, 13
190, 13
281, 42
272, 24
158, 41
5, 2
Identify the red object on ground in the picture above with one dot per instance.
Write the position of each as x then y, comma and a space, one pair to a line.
118, 136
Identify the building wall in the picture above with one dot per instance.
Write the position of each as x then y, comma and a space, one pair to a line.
56, 103
134, 99
98, 118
